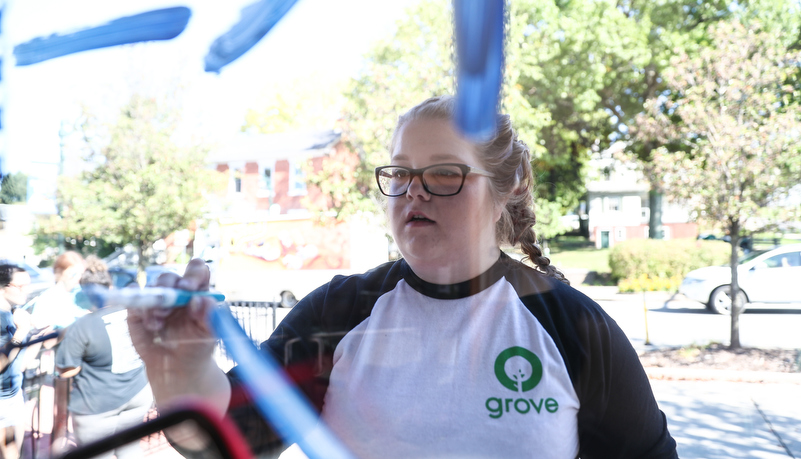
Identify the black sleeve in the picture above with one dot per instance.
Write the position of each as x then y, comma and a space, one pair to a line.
295, 345
619, 416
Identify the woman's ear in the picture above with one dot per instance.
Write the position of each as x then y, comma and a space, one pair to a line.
498, 210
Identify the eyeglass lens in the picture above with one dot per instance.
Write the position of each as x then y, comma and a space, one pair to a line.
439, 180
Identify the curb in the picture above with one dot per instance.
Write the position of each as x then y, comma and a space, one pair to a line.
695, 374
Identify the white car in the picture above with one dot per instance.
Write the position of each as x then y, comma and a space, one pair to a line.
767, 276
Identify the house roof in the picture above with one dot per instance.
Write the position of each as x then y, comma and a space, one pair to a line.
271, 147
617, 186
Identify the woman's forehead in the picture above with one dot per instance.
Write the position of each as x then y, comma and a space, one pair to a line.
432, 141
20, 277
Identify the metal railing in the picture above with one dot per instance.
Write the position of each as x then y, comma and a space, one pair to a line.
49, 429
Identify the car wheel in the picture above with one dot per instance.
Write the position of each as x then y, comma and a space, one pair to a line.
720, 300
288, 299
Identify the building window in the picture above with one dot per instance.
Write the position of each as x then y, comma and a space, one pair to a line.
297, 178
236, 174
266, 184
612, 203
237, 181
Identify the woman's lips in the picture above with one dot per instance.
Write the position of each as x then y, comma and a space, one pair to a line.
418, 218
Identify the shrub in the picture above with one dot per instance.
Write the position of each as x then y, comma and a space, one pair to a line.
643, 283
652, 264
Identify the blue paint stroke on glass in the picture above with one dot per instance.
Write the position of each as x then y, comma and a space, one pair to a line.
257, 19
163, 24
278, 400
479, 47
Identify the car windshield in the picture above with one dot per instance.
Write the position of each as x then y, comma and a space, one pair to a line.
746, 258
197, 194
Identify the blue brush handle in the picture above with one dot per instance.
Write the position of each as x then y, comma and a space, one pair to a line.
479, 46
276, 398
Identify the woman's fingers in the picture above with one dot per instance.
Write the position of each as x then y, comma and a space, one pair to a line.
199, 307
168, 279
196, 276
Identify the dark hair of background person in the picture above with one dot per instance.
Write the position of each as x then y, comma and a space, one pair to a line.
7, 272
96, 272
509, 159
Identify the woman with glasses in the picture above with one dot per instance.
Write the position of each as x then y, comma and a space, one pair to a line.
15, 324
456, 350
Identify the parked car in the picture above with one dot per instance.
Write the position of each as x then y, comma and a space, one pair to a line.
765, 276
746, 242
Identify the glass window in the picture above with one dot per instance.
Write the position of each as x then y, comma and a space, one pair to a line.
612, 203
784, 260
297, 178
266, 184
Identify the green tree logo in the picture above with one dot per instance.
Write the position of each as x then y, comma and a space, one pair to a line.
518, 369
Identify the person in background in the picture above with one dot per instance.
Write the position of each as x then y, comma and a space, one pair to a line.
56, 306
15, 324
110, 391
457, 349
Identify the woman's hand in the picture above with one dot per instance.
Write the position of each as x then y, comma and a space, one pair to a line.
22, 320
176, 344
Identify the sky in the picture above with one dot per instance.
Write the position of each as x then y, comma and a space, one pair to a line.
324, 38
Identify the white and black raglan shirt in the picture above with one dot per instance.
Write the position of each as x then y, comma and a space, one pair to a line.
509, 364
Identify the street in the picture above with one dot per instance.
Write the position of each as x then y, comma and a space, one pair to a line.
672, 321
675, 321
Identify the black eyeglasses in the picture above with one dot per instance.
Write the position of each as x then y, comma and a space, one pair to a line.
438, 179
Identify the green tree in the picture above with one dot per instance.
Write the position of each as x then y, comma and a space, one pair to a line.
591, 65
417, 62
14, 188
728, 110
299, 105
142, 185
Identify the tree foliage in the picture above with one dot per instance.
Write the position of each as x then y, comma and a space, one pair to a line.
729, 111
142, 185
577, 73
14, 188
301, 105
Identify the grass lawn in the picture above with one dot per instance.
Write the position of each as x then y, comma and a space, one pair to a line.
588, 258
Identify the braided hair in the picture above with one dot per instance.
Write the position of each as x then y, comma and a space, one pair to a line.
509, 159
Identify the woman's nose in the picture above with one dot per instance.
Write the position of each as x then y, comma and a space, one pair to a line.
416, 188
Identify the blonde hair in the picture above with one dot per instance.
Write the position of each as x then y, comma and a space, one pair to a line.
508, 158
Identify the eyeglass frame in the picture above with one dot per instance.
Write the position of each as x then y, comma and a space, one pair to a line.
466, 169
18, 285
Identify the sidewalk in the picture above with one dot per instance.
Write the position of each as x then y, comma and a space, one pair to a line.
722, 414
719, 419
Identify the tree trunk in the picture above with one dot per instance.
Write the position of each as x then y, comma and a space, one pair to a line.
734, 291
141, 276
655, 220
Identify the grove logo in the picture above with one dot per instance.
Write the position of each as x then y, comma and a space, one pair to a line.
519, 370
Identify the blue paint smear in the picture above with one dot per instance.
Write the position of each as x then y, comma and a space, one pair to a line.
257, 19
276, 398
479, 47
163, 24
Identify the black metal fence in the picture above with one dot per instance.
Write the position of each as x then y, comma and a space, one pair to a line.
257, 318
